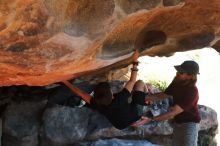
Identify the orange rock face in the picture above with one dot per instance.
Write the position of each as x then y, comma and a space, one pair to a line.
46, 41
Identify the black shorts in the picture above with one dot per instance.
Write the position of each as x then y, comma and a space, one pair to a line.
138, 97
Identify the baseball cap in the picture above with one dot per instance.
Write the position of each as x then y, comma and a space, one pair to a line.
189, 67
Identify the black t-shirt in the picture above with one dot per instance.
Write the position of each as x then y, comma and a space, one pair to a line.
187, 98
120, 112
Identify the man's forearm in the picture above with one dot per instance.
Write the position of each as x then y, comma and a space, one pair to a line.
150, 98
77, 91
133, 76
157, 96
130, 84
166, 116
174, 110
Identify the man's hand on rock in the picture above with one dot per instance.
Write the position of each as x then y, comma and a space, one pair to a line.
143, 120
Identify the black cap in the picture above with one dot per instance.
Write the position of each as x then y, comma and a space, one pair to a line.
189, 66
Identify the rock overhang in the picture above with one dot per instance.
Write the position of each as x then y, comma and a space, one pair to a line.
47, 41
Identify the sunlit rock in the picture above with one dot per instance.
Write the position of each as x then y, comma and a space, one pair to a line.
46, 41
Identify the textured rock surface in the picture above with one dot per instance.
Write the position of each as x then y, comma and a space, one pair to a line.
119, 142
94, 126
0, 132
46, 41
62, 126
65, 125
56, 119
21, 124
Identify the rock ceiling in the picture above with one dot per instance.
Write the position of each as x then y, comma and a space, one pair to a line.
46, 41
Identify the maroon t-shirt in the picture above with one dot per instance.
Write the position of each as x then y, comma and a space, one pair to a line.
187, 98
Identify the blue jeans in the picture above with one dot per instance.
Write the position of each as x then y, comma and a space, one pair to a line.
185, 134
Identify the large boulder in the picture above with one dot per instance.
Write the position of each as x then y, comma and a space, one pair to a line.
46, 41
21, 124
63, 126
118, 142
32, 122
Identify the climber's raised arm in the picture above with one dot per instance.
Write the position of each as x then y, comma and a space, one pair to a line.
78, 92
130, 84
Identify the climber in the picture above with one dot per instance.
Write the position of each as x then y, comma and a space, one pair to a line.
119, 108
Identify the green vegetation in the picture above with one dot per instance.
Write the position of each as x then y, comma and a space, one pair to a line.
161, 85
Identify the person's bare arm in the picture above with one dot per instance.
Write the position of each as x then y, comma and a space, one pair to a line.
77, 91
175, 110
130, 84
155, 97
142, 121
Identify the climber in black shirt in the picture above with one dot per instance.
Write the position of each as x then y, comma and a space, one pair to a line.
120, 108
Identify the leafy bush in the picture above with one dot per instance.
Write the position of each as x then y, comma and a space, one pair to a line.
161, 85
